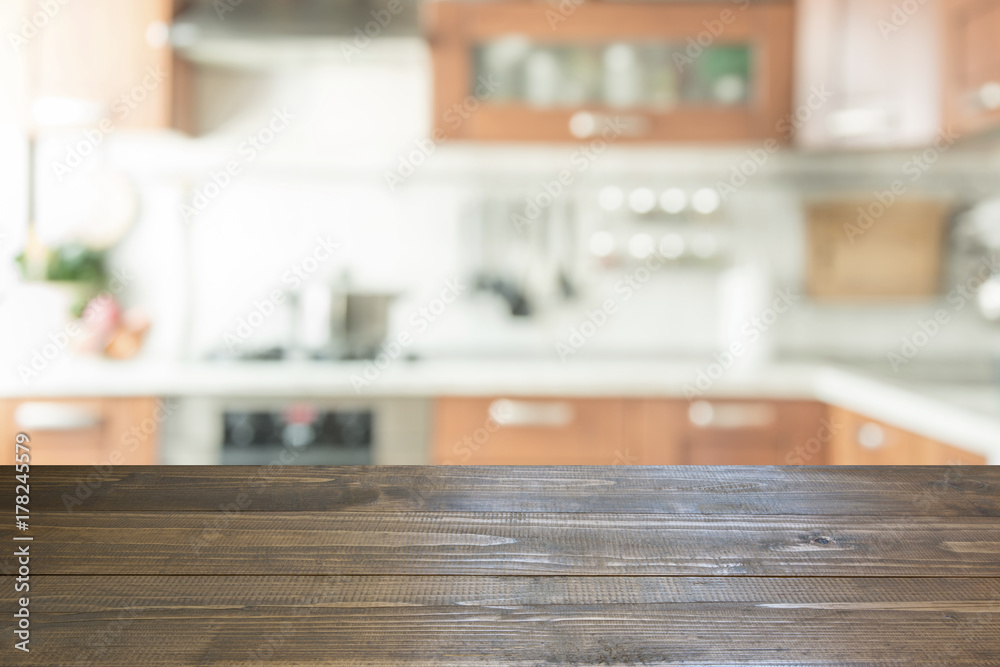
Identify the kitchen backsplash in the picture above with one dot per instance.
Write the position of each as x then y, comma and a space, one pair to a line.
327, 177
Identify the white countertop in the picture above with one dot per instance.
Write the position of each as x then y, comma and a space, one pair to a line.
964, 416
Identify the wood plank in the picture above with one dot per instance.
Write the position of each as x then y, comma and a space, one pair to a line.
509, 621
509, 543
799, 490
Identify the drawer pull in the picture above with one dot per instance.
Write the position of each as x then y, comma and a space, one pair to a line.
587, 124
871, 436
553, 414
989, 95
157, 34
704, 414
43, 416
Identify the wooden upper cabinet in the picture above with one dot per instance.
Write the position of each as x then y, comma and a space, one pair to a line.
971, 40
867, 73
114, 55
523, 70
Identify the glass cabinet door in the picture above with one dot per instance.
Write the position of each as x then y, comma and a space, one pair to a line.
616, 75
668, 71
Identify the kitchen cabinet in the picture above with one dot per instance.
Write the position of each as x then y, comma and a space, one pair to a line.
562, 431
971, 57
859, 440
519, 70
542, 431
742, 432
114, 55
867, 73
84, 431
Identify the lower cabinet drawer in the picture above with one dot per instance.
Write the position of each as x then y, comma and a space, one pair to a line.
84, 431
731, 433
864, 441
529, 431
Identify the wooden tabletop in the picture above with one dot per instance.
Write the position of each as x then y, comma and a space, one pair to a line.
507, 566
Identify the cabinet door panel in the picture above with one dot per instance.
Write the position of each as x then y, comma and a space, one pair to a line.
742, 447
84, 431
940, 454
805, 433
529, 431
111, 53
972, 64
732, 433
864, 441
781, 432
655, 431
627, 71
883, 82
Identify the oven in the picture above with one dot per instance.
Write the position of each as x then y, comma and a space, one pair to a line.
296, 430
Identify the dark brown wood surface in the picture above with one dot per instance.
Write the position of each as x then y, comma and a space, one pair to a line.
508, 566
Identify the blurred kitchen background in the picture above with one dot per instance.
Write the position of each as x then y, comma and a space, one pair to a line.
509, 231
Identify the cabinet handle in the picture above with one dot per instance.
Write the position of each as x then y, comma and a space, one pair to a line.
871, 436
704, 414
553, 414
587, 124
157, 34
44, 416
989, 95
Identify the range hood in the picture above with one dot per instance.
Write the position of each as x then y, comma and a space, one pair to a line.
269, 34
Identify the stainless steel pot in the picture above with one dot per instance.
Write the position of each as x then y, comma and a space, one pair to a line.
359, 323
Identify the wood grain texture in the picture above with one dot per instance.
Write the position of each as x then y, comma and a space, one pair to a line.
459, 543
509, 566
514, 620
800, 491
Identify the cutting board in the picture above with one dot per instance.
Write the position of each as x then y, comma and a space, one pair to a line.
864, 250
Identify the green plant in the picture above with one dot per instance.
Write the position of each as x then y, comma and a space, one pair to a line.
70, 263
